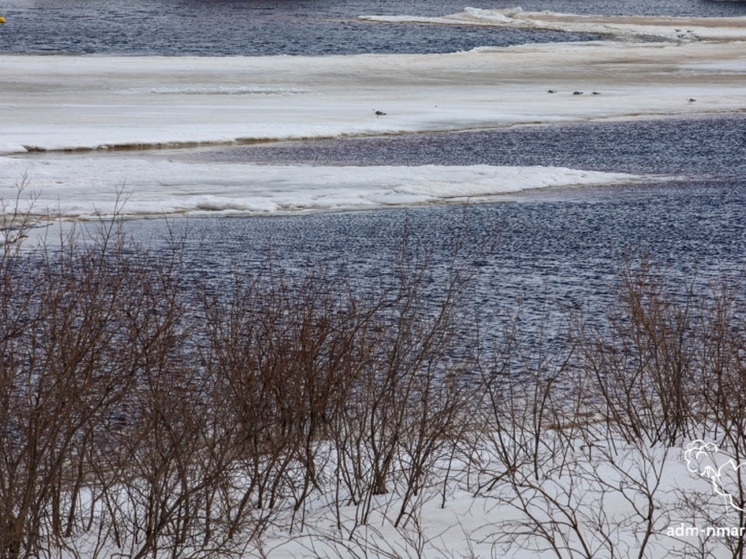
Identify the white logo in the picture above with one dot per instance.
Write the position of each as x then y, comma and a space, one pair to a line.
702, 459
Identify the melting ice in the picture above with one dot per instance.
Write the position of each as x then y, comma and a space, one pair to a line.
102, 103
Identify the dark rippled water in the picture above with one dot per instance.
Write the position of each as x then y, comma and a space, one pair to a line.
554, 250
549, 249
265, 27
701, 146
543, 258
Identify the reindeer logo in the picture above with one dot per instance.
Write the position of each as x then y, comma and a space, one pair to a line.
704, 459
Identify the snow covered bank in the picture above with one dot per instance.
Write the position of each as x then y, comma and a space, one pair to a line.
288, 414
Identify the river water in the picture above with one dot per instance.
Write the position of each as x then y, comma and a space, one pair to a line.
304, 27
548, 250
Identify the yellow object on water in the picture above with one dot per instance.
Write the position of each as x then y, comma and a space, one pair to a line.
2, 19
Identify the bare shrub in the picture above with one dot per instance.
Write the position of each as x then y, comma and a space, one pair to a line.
63, 374
281, 357
148, 412
645, 363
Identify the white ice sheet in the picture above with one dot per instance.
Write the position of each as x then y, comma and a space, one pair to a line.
112, 103
93, 102
83, 187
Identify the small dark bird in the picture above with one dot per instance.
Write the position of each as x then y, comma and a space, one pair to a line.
577, 93
379, 113
692, 99
551, 91
596, 93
